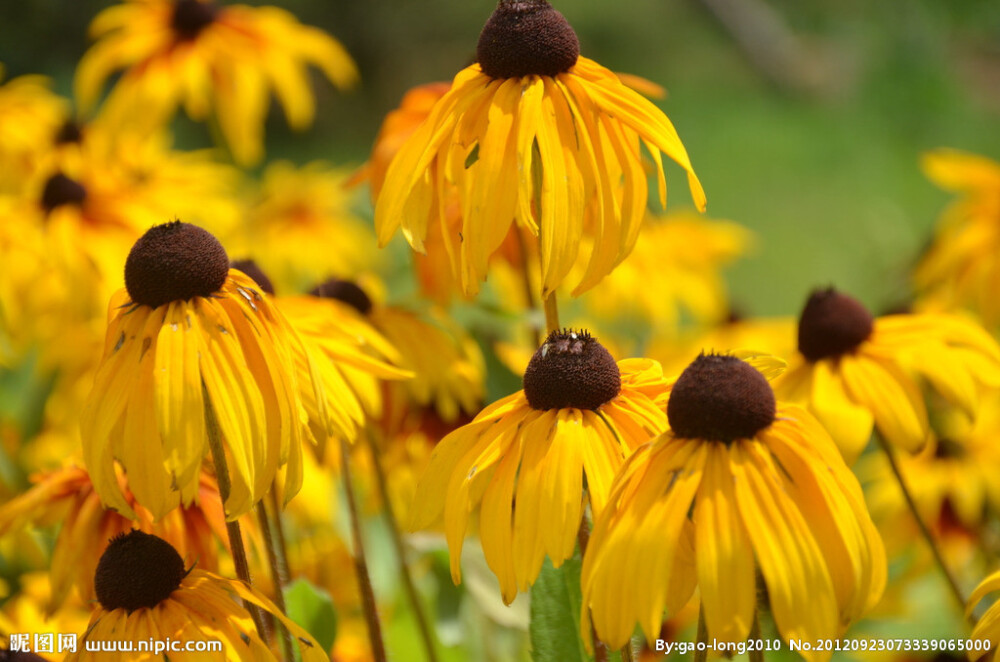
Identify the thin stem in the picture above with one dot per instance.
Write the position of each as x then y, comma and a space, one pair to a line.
279, 591
701, 650
756, 649
582, 539
529, 293
924, 530
397, 541
360, 564
236, 546
282, 546
551, 312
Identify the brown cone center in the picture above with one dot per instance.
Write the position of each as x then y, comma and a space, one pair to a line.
191, 17
720, 398
61, 190
175, 262
137, 570
832, 324
524, 38
346, 291
571, 369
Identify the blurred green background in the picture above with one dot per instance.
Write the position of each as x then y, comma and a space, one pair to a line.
805, 121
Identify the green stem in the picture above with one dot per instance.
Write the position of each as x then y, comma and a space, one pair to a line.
529, 293
956, 592
397, 540
360, 562
551, 312
701, 651
582, 539
236, 546
756, 652
279, 591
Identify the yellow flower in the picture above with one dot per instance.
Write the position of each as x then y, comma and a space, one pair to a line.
67, 495
300, 228
960, 268
674, 270
27, 612
855, 372
535, 133
350, 357
30, 118
185, 335
988, 626
448, 367
145, 593
765, 489
579, 415
220, 60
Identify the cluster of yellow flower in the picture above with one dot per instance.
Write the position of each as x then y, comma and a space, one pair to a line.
211, 371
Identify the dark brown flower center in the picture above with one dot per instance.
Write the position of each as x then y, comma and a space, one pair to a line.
251, 269
571, 369
832, 324
191, 17
344, 290
720, 398
61, 190
175, 262
137, 570
69, 132
524, 38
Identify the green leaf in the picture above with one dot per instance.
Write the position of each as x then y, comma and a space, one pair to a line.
312, 608
555, 614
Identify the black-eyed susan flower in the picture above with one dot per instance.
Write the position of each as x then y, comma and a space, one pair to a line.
537, 134
579, 415
960, 268
673, 274
186, 334
30, 115
146, 593
753, 484
300, 227
349, 356
212, 60
67, 495
854, 371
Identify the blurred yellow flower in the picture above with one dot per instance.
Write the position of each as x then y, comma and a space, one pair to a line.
30, 118
675, 270
751, 484
535, 135
855, 372
579, 415
27, 611
961, 269
300, 229
214, 60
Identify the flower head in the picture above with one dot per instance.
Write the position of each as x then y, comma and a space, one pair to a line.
190, 340
958, 269
854, 371
751, 483
210, 59
537, 134
579, 415
144, 589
